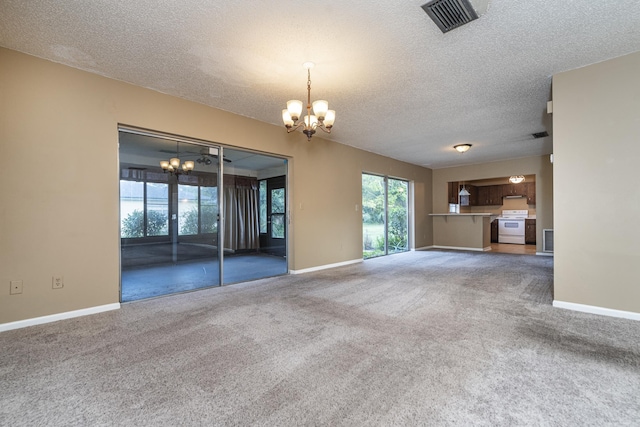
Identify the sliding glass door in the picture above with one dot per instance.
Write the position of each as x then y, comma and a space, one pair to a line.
168, 219
187, 229
385, 215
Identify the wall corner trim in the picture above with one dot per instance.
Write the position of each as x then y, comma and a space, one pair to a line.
59, 316
324, 267
602, 311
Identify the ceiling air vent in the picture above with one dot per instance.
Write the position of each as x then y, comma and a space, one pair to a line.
543, 134
450, 14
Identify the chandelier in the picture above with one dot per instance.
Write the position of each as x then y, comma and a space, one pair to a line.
516, 179
173, 164
322, 118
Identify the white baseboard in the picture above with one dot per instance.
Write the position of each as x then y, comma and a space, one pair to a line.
597, 310
324, 267
424, 248
544, 253
459, 248
59, 316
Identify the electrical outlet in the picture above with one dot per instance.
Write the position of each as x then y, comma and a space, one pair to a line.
57, 282
16, 287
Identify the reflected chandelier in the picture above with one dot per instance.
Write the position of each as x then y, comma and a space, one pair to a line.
516, 179
173, 164
322, 118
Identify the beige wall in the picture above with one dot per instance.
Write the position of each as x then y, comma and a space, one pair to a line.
540, 166
596, 122
59, 192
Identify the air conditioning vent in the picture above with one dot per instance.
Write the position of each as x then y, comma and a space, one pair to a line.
450, 14
540, 134
547, 240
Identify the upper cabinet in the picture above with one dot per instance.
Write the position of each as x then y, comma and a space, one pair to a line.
453, 192
531, 193
491, 195
514, 189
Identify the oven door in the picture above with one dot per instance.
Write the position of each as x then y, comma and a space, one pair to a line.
511, 231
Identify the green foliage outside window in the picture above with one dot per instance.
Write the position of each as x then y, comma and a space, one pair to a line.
133, 224
190, 221
373, 215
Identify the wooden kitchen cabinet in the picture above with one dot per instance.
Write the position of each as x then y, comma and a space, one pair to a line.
495, 194
530, 188
473, 194
530, 231
494, 231
453, 192
483, 195
513, 189
489, 195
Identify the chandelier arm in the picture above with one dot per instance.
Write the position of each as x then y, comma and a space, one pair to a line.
323, 128
295, 127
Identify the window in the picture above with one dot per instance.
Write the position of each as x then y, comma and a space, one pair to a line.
197, 209
277, 213
144, 209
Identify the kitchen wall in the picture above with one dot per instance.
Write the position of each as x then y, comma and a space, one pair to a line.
539, 166
596, 124
60, 193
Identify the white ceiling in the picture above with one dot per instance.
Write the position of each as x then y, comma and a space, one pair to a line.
400, 87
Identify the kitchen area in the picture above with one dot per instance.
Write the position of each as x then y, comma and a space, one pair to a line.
497, 214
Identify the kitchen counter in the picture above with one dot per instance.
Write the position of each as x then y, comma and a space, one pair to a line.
464, 231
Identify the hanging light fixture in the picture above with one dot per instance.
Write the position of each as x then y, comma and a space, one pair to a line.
516, 179
462, 148
322, 118
173, 164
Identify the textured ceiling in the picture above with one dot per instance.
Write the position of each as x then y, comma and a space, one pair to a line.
400, 87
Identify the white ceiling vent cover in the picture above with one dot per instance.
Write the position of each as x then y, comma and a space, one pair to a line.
450, 14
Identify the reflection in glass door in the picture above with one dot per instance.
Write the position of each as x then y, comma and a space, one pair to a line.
186, 231
169, 221
255, 206
385, 215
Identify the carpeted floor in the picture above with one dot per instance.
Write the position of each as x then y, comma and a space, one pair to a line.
419, 338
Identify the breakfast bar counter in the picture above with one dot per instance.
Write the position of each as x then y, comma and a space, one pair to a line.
464, 231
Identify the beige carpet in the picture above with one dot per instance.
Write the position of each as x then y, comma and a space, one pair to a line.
421, 338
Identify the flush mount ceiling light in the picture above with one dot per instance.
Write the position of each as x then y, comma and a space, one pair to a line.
462, 148
322, 118
173, 164
516, 179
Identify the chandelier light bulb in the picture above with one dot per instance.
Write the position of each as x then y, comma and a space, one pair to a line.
295, 109
329, 119
320, 108
286, 118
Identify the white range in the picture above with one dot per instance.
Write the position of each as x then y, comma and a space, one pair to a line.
511, 226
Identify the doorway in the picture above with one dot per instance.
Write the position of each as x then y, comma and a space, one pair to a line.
273, 201
185, 229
